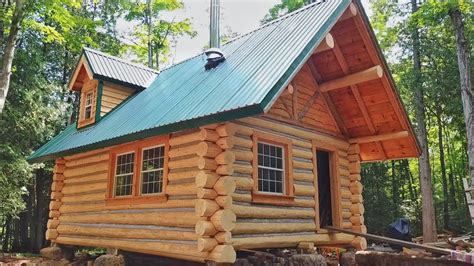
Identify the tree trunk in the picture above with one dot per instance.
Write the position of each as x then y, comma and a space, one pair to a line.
43, 182
149, 26
442, 162
6, 245
395, 192
407, 172
466, 87
428, 212
452, 171
9, 52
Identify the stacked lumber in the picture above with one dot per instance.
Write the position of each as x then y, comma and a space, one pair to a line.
56, 197
357, 207
214, 192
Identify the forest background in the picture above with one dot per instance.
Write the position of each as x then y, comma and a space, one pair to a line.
51, 34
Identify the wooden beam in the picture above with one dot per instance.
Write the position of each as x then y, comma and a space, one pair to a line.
372, 73
326, 44
350, 12
391, 240
355, 91
332, 108
82, 63
287, 107
381, 137
372, 50
289, 90
308, 105
295, 103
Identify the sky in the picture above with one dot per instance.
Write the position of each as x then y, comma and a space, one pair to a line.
240, 16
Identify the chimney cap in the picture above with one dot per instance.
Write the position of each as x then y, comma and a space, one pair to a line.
215, 56
213, 51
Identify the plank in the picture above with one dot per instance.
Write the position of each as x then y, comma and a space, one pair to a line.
391, 240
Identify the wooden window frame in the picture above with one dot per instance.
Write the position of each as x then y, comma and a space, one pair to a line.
89, 87
137, 148
334, 183
91, 105
288, 197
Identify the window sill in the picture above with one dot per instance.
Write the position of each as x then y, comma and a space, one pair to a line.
133, 200
85, 122
282, 200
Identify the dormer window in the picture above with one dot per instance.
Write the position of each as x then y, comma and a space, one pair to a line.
101, 89
88, 107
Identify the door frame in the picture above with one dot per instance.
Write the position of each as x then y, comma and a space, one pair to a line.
335, 184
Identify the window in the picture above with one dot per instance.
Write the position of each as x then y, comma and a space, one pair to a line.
88, 106
152, 170
272, 168
138, 172
124, 174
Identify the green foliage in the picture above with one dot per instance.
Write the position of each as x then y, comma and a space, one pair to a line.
393, 24
38, 105
154, 31
286, 6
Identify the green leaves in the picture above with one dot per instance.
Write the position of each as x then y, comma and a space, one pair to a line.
286, 6
393, 24
154, 32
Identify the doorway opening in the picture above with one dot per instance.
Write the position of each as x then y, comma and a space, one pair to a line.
324, 187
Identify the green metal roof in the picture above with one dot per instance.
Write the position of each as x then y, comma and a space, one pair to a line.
111, 68
258, 66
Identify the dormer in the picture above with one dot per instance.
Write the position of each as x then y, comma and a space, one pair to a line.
104, 82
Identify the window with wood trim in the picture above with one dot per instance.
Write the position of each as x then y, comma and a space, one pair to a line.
153, 160
87, 106
272, 169
138, 172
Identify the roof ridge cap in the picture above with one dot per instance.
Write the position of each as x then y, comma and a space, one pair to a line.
123, 60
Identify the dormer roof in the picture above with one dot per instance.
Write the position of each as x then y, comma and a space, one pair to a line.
113, 69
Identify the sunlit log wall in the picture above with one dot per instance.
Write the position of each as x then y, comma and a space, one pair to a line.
209, 212
264, 225
80, 216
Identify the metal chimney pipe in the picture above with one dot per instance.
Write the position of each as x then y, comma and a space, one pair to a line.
214, 41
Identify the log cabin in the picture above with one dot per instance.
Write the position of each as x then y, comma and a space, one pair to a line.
258, 144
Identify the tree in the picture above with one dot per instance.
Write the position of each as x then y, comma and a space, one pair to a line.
286, 6
49, 43
463, 56
9, 49
428, 211
152, 37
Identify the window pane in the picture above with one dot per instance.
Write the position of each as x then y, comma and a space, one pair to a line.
152, 170
88, 112
270, 166
124, 174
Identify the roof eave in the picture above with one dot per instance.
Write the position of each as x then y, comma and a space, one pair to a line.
298, 63
389, 75
243, 112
